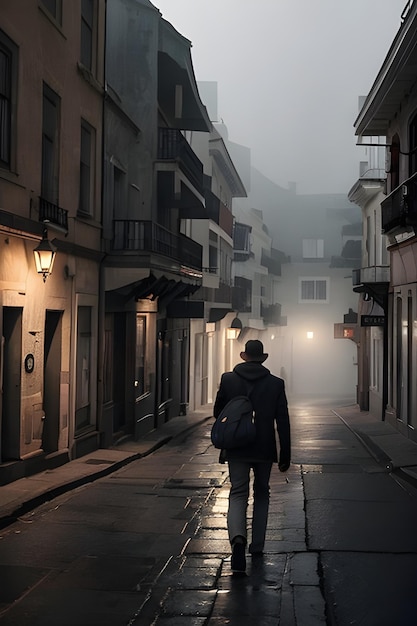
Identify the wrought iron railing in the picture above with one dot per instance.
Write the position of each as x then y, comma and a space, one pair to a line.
173, 146
148, 236
50, 212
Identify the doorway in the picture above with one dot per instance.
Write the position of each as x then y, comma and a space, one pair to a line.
11, 383
52, 381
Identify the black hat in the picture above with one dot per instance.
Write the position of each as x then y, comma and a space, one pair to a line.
254, 351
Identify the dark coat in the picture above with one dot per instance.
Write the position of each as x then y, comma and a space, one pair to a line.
270, 405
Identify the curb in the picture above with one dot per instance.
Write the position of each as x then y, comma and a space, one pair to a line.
374, 450
147, 448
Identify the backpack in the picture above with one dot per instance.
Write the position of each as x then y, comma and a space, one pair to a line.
235, 425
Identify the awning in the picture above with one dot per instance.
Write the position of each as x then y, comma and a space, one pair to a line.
151, 288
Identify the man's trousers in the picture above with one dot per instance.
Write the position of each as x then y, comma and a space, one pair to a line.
239, 474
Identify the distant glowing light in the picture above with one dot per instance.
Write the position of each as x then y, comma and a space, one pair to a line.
310, 334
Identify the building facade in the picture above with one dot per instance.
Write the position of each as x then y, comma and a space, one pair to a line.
390, 110
371, 282
111, 167
319, 242
52, 77
153, 181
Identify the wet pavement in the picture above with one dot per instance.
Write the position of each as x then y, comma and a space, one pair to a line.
137, 534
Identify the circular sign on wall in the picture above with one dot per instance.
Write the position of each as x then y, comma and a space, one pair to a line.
29, 363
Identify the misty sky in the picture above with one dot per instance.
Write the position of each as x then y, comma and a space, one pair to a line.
289, 75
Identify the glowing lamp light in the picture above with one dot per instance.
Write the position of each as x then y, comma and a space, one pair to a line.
234, 329
44, 255
310, 334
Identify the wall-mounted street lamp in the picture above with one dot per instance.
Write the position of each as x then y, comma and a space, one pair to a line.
44, 255
234, 329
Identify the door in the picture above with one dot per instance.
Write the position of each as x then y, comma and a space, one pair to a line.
12, 355
120, 378
52, 380
204, 370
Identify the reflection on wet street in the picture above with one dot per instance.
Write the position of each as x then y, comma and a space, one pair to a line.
148, 543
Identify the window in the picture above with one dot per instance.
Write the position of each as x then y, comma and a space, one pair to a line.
313, 248
87, 23
241, 237
55, 9
50, 145
8, 65
86, 169
314, 290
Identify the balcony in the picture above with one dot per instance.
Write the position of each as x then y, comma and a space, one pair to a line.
373, 281
216, 211
399, 209
242, 295
375, 274
174, 148
272, 264
147, 236
52, 214
272, 315
219, 295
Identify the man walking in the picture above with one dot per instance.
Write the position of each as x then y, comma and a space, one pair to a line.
267, 394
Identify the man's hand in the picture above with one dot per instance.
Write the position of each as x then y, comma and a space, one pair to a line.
283, 466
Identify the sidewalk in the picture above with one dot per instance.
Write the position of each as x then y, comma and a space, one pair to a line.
385, 444
23, 495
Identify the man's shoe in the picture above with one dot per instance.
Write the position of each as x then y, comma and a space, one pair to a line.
257, 553
238, 563
256, 550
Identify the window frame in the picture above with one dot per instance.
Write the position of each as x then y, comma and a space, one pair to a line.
315, 246
54, 11
50, 137
88, 35
9, 99
315, 280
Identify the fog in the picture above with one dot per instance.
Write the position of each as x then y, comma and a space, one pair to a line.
289, 76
